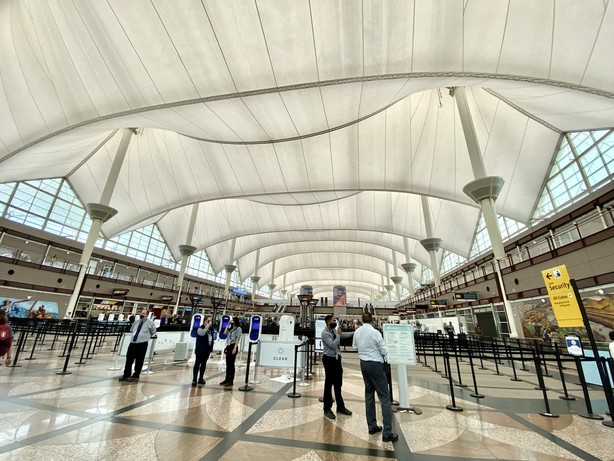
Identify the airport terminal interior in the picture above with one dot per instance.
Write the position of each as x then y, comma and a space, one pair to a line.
447, 166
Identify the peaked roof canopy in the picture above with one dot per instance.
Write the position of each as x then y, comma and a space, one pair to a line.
306, 129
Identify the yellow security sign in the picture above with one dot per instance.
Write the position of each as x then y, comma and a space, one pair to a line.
562, 297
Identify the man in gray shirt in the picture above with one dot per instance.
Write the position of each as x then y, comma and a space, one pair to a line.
140, 333
331, 359
372, 352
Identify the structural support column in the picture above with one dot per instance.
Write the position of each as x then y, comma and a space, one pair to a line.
409, 267
229, 268
100, 213
186, 251
272, 285
430, 244
484, 190
254, 278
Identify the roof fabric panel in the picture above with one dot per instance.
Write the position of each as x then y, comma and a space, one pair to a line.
307, 128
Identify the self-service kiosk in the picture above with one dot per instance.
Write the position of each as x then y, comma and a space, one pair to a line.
255, 328
286, 328
223, 326
195, 323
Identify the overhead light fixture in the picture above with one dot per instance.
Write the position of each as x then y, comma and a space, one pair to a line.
543, 300
601, 291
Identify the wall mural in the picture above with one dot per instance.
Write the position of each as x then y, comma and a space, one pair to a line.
30, 308
538, 317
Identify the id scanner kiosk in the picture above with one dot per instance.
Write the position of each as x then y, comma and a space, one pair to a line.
223, 326
255, 328
195, 323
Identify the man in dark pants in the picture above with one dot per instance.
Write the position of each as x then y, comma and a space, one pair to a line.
234, 336
202, 350
331, 359
372, 352
140, 333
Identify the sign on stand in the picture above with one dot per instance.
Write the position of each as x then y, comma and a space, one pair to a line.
562, 297
399, 339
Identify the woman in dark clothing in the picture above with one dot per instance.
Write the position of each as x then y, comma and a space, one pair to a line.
204, 346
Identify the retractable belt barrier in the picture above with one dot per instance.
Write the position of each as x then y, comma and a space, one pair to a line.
531, 354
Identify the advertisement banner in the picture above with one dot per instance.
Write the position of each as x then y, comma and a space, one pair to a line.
339, 296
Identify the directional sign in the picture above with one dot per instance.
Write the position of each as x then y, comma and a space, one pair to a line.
562, 297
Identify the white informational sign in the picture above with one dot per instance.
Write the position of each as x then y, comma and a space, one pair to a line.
399, 341
279, 354
111, 317
101, 317
320, 325
574, 346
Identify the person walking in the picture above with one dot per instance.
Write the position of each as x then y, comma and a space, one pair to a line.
6, 339
202, 350
234, 336
331, 359
143, 329
372, 353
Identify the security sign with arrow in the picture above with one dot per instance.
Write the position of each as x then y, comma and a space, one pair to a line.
562, 297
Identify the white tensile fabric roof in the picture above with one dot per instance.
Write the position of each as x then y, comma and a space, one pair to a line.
306, 129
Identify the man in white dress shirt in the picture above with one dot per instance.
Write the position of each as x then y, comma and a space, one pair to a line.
372, 352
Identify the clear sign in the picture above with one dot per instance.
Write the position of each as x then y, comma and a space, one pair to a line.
562, 297
399, 339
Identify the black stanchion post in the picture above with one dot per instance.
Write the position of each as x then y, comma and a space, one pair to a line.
475, 393
542, 386
537, 359
70, 347
55, 336
446, 366
294, 394
524, 367
511, 359
460, 377
545, 362
611, 366
435, 360
426, 364
453, 406
68, 337
495, 353
608, 392
35, 343
81, 361
557, 354
247, 387
481, 349
19, 346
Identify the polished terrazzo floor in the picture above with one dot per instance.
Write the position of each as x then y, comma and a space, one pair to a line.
89, 415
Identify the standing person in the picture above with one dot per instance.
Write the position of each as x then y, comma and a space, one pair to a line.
331, 359
372, 353
142, 330
6, 339
204, 346
234, 335
611, 334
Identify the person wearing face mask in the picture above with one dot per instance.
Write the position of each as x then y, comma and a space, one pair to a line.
141, 332
202, 350
234, 333
331, 359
